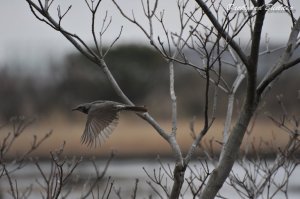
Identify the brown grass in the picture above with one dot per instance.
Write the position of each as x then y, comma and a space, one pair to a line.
133, 137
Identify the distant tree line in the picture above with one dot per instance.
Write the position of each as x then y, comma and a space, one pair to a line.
68, 83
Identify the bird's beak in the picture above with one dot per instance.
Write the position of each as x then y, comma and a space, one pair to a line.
75, 109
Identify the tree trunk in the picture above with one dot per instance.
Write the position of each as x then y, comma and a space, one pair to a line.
231, 148
179, 171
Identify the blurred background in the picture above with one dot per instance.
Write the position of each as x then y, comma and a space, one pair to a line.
42, 76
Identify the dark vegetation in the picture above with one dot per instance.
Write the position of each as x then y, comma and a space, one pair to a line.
140, 71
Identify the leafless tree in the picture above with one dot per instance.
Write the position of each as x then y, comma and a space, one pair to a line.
56, 180
9, 167
210, 29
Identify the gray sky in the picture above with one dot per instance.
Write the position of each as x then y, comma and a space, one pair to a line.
24, 39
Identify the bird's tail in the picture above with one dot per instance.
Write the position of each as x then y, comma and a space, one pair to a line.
135, 108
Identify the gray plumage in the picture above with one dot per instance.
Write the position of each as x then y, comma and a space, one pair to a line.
102, 118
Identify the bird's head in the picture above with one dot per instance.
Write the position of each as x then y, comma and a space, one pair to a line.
83, 108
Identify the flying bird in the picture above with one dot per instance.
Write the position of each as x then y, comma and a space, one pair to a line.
102, 118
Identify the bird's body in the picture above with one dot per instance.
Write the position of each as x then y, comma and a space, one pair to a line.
102, 119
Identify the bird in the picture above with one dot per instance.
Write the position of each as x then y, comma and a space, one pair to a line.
102, 118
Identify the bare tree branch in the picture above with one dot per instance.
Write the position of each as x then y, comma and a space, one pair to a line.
221, 31
283, 63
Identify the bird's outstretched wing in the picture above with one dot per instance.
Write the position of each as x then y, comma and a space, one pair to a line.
100, 124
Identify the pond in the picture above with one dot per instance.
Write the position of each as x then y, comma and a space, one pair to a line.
120, 180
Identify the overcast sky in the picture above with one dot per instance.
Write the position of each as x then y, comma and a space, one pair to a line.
25, 39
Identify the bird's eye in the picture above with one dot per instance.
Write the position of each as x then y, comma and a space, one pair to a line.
84, 109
